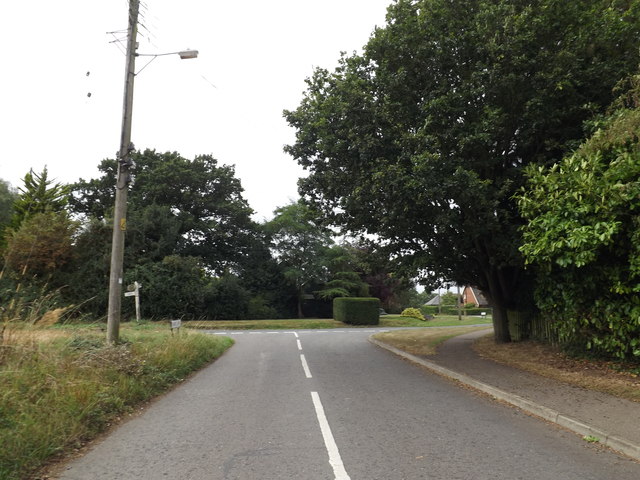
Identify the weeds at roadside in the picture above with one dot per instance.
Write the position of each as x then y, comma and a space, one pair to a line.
59, 388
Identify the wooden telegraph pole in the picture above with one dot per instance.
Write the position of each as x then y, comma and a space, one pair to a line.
122, 182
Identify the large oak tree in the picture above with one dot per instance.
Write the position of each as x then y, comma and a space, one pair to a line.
176, 206
421, 140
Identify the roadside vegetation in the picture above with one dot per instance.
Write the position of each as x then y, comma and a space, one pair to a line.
322, 323
423, 341
613, 377
60, 387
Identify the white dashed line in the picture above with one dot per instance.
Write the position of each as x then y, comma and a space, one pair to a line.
334, 455
299, 345
305, 367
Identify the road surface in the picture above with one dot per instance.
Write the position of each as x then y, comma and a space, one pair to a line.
325, 405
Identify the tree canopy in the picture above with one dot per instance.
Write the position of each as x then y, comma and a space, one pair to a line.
301, 247
422, 139
7, 197
176, 207
38, 194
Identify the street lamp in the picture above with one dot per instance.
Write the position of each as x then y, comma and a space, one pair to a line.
124, 177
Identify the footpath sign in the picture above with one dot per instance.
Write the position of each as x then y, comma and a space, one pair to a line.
134, 291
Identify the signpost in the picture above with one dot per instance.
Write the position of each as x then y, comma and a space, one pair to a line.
134, 291
175, 325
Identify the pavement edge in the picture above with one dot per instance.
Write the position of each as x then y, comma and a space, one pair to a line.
616, 443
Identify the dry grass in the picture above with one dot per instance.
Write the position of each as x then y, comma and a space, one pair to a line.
545, 360
423, 341
61, 387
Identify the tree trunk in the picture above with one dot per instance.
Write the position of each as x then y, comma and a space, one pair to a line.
300, 299
500, 324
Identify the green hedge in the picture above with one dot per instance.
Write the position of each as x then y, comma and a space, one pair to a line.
357, 310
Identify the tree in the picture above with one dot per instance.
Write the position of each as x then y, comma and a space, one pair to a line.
262, 276
85, 276
583, 235
345, 274
422, 139
7, 198
172, 288
300, 245
449, 298
176, 207
38, 195
41, 245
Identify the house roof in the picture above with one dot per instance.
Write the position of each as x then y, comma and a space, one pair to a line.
480, 298
434, 301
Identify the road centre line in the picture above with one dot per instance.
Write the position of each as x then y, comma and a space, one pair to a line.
305, 366
295, 333
299, 344
332, 448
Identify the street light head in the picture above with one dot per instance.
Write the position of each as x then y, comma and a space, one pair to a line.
186, 54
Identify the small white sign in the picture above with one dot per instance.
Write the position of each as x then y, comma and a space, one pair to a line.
176, 323
130, 294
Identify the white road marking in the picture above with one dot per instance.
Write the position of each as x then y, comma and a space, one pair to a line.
305, 367
299, 345
295, 333
334, 455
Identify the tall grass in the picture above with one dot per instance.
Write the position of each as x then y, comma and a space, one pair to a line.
59, 389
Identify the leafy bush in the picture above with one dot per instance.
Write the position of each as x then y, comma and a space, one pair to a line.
412, 312
582, 233
357, 310
429, 310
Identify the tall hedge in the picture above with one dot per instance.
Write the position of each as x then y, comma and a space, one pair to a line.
357, 310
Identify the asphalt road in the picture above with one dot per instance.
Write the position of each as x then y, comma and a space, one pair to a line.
329, 405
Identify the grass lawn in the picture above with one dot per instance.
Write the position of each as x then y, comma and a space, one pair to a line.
324, 323
60, 387
424, 341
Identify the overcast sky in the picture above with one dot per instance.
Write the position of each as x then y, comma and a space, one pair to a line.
254, 57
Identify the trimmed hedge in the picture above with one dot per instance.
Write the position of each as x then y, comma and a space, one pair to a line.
357, 310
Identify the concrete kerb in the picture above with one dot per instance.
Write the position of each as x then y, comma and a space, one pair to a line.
619, 444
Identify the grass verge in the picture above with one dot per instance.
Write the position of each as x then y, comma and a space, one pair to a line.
603, 376
60, 389
325, 323
424, 341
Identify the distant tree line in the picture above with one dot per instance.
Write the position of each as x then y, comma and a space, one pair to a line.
190, 242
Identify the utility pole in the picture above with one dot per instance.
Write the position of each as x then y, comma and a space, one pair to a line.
122, 182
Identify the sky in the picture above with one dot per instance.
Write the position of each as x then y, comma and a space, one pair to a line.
253, 59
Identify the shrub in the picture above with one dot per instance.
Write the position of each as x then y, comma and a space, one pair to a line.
357, 310
429, 310
412, 312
